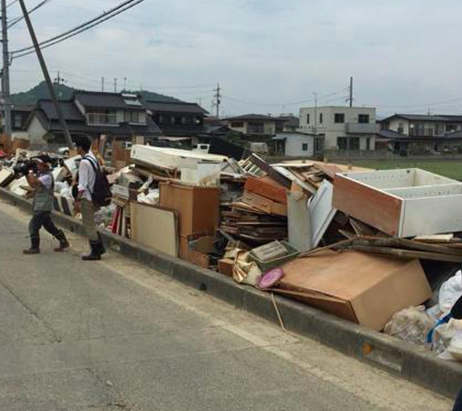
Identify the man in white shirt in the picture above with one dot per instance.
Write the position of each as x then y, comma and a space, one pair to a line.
43, 185
84, 203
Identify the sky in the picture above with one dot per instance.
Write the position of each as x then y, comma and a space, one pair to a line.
269, 56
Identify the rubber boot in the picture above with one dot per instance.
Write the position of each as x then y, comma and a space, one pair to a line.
95, 254
101, 249
63, 243
35, 246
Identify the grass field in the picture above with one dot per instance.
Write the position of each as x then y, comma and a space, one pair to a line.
447, 168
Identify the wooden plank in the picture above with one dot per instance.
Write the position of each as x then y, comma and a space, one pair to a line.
367, 204
361, 229
403, 243
276, 176
267, 188
264, 204
155, 227
406, 254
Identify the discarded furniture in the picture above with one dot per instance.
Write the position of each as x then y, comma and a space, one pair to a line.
401, 203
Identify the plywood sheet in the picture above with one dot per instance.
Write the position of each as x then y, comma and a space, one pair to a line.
266, 187
372, 287
155, 228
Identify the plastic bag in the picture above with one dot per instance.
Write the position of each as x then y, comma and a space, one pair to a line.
447, 340
411, 324
450, 292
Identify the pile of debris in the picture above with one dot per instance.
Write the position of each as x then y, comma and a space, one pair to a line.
354, 242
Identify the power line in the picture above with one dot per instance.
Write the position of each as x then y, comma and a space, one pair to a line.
11, 3
422, 105
18, 19
126, 5
286, 104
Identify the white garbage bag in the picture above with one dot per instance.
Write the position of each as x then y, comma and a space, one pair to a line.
450, 292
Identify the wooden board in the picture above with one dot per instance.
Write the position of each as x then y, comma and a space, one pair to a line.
155, 228
198, 207
367, 204
364, 287
264, 204
268, 188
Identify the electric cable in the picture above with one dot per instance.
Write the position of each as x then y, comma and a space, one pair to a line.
126, 5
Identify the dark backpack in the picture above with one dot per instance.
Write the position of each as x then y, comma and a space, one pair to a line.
101, 194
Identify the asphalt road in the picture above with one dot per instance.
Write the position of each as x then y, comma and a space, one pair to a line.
114, 335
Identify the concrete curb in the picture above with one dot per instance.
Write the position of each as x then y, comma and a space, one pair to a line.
410, 362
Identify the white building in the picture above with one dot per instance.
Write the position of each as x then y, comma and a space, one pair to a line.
298, 144
343, 128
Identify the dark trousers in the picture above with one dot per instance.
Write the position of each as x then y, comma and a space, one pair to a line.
42, 219
458, 404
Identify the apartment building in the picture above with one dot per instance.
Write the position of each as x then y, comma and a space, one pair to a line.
343, 128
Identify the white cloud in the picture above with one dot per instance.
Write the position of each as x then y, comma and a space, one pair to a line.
266, 51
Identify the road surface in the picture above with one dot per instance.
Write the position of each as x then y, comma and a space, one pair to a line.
113, 335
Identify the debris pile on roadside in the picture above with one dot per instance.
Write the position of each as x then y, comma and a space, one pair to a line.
367, 246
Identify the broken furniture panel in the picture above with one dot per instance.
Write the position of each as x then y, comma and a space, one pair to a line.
321, 211
155, 228
401, 203
362, 288
299, 221
198, 207
170, 158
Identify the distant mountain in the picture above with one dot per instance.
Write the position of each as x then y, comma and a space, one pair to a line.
64, 92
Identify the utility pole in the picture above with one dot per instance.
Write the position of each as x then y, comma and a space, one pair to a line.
315, 114
218, 99
125, 84
6, 75
351, 92
46, 74
58, 81
115, 85
102, 84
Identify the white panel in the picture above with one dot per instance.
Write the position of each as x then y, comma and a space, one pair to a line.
385, 178
300, 235
437, 215
426, 191
321, 211
171, 159
425, 178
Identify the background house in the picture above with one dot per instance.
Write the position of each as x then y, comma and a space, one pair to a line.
177, 118
422, 134
254, 124
343, 128
296, 144
422, 125
116, 116
287, 124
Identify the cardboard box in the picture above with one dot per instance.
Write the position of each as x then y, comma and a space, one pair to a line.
198, 207
358, 287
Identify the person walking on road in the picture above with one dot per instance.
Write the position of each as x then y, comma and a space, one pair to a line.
43, 185
88, 169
